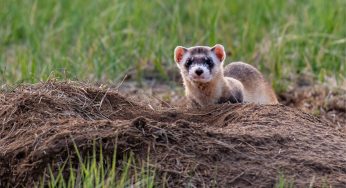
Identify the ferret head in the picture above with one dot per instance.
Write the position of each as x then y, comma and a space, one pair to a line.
200, 63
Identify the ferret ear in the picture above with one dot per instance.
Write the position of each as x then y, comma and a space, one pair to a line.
219, 51
179, 52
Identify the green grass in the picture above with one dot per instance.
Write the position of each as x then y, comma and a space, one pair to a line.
283, 182
95, 170
100, 40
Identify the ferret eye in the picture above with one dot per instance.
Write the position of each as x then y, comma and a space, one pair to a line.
209, 62
188, 63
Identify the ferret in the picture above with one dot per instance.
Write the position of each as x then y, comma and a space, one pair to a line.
207, 82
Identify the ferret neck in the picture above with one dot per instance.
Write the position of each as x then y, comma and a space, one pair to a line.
210, 89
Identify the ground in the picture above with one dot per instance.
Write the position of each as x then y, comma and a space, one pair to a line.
325, 100
127, 48
226, 145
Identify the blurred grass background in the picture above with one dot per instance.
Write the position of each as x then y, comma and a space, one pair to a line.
101, 40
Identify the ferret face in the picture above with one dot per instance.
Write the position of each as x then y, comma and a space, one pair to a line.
200, 63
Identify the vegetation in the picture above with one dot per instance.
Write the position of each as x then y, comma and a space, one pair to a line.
97, 171
100, 40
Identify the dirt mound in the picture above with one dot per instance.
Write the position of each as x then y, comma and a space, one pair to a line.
227, 145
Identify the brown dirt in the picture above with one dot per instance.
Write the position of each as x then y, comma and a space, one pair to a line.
227, 145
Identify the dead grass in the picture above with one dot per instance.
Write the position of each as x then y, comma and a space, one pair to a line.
226, 145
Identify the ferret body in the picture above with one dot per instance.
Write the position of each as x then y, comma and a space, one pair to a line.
207, 82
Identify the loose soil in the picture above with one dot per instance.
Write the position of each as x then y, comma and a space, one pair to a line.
320, 100
228, 145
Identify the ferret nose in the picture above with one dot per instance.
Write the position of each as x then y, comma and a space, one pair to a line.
199, 72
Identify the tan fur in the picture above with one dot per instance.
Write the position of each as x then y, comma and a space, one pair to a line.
256, 89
